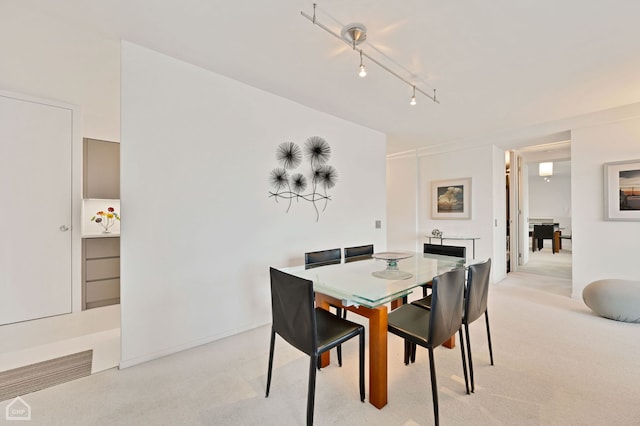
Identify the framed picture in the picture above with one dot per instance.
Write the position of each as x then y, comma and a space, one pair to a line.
451, 199
622, 190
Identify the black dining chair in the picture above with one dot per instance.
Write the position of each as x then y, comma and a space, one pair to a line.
430, 328
545, 232
314, 259
352, 254
311, 330
442, 250
476, 295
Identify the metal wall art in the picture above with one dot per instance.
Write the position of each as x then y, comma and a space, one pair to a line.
289, 184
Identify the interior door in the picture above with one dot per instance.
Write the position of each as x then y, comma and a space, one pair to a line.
35, 209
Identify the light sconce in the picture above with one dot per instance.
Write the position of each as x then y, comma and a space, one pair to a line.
355, 34
545, 169
363, 72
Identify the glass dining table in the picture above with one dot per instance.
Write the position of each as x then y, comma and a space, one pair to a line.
366, 287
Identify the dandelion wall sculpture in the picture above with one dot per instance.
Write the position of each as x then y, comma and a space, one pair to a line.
290, 185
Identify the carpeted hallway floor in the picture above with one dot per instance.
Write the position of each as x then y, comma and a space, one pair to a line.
555, 364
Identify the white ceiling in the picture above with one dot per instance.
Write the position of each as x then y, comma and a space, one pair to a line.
497, 65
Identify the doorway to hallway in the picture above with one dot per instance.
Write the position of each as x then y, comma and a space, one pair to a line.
539, 196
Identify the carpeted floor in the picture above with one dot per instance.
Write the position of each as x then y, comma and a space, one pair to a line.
555, 364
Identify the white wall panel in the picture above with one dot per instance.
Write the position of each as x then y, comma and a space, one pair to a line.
601, 249
201, 230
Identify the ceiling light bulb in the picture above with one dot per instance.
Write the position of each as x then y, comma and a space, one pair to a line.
363, 72
413, 101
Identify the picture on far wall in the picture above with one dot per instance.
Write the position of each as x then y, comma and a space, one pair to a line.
451, 199
622, 190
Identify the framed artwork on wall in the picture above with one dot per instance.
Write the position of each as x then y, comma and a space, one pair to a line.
451, 199
622, 190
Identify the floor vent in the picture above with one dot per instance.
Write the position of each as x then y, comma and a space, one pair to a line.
30, 378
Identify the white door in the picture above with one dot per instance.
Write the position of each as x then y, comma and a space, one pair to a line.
35, 209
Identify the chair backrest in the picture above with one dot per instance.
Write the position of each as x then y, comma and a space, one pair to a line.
313, 259
543, 231
358, 253
447, 300
292, 310
477, 291
456, 251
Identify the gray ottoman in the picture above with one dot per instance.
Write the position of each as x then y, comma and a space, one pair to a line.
615, 299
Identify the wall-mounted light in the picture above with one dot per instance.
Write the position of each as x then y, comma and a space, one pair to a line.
545, 169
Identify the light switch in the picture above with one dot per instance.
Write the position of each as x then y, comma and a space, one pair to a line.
378, 224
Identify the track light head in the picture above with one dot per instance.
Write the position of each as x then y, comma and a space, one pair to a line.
363, 72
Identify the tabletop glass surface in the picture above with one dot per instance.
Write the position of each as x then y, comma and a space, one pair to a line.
360, 283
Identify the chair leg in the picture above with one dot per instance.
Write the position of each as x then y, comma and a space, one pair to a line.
413, 352
361, 349
407, 352
341, 314
486, 317
466, 332
271, 346
434, 387
464, 361
312, 389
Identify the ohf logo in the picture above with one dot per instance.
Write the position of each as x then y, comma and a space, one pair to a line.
18, 409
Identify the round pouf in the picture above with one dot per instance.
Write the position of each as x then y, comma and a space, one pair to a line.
614, 299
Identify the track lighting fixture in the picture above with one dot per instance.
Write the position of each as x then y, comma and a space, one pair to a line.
355, 34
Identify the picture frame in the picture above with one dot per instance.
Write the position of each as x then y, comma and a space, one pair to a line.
622, 190
451, 199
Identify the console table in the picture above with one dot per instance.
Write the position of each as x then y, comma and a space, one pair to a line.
472, 239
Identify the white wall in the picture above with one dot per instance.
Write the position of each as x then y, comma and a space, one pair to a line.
601, 249
402, 203
409, 185
201, 229
73, 64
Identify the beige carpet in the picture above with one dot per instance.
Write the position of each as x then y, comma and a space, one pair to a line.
556, 364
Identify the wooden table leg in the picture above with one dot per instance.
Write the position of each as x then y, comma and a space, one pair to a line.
322, 302
378, 321
378, 356
451, 343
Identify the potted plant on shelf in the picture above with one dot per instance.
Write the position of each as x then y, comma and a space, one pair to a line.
106, 219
